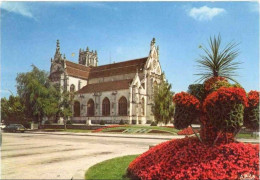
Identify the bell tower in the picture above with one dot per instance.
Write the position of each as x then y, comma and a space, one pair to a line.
88, 58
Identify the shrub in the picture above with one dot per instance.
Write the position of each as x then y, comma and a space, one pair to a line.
102, 122
189, 159
186, 109
214, 83
121, 122
153, 123
251, 117
198, 91
69, 122
47, 122
225, 108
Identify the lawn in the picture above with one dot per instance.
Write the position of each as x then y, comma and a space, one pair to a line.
146, 129
111, 169
69, 130
246, 136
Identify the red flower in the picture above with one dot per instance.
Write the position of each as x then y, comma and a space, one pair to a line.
226, 95
189, 159
186, 99
187, 131
111, 126
253, 98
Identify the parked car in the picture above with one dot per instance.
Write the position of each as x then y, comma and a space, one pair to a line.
2, 126
14, 128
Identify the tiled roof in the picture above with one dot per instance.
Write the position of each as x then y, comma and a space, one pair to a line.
77, 70
124, 67
105, 86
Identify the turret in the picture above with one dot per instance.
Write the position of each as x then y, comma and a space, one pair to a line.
88, 58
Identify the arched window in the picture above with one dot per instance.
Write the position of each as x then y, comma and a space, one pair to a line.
106, 107
90, 110
76, 109
142, 107
122, 106
72, 88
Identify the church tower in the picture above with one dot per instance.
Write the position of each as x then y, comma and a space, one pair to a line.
88, 58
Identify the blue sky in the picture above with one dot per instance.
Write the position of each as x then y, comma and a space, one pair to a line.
123, 31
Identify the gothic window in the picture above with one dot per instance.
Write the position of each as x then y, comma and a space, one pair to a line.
90, 107
106, 107
142, 107
72, 88
76, 109
122, 106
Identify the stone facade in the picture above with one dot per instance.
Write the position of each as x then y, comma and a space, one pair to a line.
113, 92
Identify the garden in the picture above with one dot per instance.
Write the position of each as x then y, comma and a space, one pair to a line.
222, 108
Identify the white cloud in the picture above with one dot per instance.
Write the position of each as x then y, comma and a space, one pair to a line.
17, 8
205, 13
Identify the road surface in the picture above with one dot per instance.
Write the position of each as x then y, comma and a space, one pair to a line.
49, 156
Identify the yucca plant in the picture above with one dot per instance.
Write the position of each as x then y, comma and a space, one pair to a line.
216, 61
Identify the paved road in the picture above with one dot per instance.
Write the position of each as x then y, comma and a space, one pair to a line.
49, 156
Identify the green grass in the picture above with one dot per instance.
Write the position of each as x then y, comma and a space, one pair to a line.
111, 169
135, 128
70, 130
246, 136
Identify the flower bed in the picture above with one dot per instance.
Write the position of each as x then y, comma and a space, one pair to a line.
112, 126
159, 132
187, 131
189, 159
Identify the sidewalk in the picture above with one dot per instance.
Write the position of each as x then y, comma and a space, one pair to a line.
139, 136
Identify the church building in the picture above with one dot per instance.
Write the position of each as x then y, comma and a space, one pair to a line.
112, 92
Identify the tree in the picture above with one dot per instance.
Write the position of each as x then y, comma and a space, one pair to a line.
39, 97
65, 104
218, 62
12, 110
163, 106
197, 90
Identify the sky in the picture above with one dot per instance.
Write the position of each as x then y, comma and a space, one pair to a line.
121, 31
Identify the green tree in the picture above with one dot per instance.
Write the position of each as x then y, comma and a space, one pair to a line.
198, 91
218, 62
163, 108
39, 97
12, 110
65, 104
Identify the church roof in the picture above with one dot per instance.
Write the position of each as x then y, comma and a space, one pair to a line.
77, 70
125, 67
105, 86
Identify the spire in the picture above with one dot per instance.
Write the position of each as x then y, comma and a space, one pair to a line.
87, 49
153, 42
57, 53
58, 46
64, 57
95, 51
